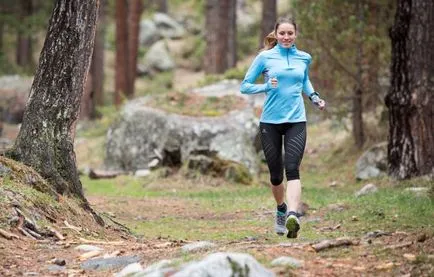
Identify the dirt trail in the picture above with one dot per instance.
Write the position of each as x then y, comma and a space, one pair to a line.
382, 256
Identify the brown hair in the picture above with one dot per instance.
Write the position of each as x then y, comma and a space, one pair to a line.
270, 40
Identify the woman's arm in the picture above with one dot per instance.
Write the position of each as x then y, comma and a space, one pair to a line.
248, 85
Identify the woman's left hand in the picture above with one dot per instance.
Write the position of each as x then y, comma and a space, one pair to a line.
321, 104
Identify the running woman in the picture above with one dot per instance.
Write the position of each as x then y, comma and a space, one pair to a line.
286, 76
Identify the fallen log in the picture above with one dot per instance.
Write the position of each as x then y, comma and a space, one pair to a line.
104, 174
326, 244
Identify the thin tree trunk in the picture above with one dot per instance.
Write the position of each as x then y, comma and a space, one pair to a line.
121, 74
269, 16
135, 11
46, 138
97, 67
410, 100
24, 40
232, 34
217, 24
358, 132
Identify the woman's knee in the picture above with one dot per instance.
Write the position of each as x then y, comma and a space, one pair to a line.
292, 171
276, 179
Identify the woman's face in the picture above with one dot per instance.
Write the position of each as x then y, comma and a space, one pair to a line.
286, 35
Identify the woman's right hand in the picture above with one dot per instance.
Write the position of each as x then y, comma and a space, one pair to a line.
273, 81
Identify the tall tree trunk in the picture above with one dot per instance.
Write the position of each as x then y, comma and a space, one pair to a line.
358, 132
410, 100
135, 11
217, 24
46, 138
97, 67
24, 40
121, 74
232, 34
269, 16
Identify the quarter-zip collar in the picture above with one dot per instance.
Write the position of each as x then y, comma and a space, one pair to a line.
285, 51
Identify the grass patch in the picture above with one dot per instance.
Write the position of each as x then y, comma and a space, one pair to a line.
182, 103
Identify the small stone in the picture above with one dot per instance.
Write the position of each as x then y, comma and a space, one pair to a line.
410, 257
142, 173
287, 261
354, 218
59, 262
88, 248
197, 246
368, 189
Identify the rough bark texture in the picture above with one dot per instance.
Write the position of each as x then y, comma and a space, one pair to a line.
121, 78
410, 99
269, 16
46, 138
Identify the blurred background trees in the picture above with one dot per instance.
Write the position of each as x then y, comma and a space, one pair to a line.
348, 40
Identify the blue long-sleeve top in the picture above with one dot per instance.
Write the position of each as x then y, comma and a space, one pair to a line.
291, 68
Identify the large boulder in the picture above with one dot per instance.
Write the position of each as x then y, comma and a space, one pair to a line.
373, 163
143, 135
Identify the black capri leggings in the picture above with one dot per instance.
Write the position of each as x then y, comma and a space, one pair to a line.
294, 143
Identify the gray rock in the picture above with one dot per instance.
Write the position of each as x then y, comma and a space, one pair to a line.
159, 269
55, 268
158, 58
367, 189
372, 163
148, 33
88, 248
109, 263
168, 27
143, 134
225, 265
129, 270
287, 261
229, 87
197, 246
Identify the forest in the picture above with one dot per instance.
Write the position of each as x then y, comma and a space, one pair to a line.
132, 138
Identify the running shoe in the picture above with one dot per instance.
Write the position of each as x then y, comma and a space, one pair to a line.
280, 227
292, 224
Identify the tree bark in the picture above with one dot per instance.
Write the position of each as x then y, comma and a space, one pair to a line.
410, 100
217, 24
232, 34
135, 11
269, 16
121, 75
46, 138
358, 132
97, 67
24, 40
